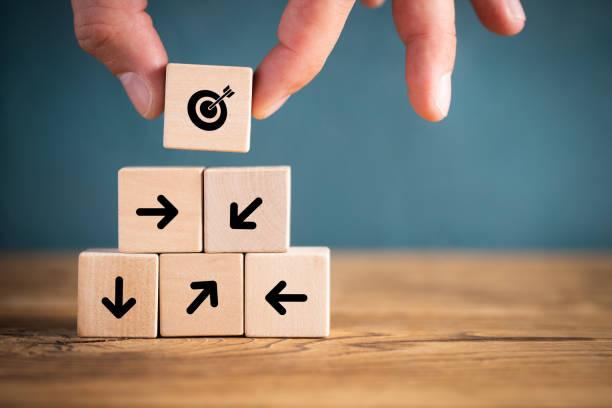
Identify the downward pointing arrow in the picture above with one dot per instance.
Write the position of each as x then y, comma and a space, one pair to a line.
274, 297
208, 288
118, 309
238, 221
168, 212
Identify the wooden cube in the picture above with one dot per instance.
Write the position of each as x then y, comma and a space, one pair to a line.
208, 107
287, 295
117, 294
160, 209
201, 295
247, 209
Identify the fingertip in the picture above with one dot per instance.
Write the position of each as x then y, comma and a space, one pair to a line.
266, 89
442, 95
515, 23
373, 3
138, 91
157, 80
259, 112
281, 74
516, 12
257, 115
121, 35
263, 111
271, 109
307, 34
506, 28
515, 29
145, 94
432, 103
427, 28
427, 110
502, 17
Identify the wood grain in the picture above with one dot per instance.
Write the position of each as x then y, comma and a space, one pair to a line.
432, 329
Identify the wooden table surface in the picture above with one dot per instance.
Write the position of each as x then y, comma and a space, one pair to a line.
419, 329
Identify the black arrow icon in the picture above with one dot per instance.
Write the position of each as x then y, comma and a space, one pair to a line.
274, 297
238, 221
118, 309
168, 212
208, 288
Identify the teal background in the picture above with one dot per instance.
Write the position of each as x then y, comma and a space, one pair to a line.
523, 161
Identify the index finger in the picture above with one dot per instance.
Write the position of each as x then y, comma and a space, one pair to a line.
307, 33
427, 28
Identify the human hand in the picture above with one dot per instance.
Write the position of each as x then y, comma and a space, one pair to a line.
120, 34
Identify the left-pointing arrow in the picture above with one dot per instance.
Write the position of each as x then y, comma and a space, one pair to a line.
168, 212
275, 297
118, 309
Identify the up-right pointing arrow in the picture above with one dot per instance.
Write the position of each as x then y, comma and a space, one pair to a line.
209, 288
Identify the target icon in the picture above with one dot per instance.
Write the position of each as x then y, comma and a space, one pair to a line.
207, 109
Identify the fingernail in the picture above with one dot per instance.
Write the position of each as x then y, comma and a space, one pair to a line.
137, 91
443, 94
515, 8
274, 107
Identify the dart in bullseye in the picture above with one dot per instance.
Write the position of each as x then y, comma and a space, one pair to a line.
207, 109
227, 92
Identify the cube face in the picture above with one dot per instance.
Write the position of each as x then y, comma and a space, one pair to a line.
247, 209
201, 295
208, 107
117, 294
287, 295
160, 209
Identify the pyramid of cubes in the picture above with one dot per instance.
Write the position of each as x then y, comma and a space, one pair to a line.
205, 251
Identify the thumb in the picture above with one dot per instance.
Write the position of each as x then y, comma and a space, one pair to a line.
120, 34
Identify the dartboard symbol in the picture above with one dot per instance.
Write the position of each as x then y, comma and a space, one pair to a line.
207, 110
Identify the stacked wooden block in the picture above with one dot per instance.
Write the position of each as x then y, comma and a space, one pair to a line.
204, 251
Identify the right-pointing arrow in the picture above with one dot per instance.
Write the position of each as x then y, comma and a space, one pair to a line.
275, 297
168, 211
238, 221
